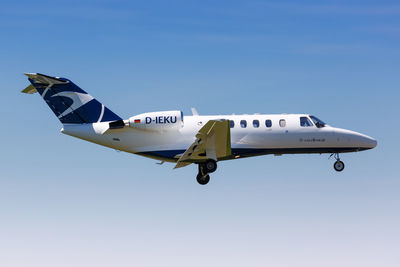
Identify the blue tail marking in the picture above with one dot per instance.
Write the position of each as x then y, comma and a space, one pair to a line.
69, 102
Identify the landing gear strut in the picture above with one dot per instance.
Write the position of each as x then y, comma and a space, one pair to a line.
205, 168
338, 165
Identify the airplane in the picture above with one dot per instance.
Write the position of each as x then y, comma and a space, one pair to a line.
169, 136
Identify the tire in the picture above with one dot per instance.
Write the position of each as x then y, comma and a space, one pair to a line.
338, 166
210, 166
203, 179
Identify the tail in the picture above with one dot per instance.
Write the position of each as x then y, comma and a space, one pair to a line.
69, 102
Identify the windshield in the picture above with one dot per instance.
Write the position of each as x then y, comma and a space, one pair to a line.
317, 122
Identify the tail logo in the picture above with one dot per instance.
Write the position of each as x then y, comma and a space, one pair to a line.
78, 100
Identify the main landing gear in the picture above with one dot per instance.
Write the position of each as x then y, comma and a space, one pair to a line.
338, 165
205, 168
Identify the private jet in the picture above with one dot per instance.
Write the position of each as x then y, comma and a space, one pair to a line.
169, 136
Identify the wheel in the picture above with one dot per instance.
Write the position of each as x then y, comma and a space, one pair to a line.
210, 166
203, 179
338, 166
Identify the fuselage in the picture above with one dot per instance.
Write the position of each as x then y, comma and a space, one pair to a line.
251, 135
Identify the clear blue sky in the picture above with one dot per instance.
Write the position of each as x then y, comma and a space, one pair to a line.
65, 202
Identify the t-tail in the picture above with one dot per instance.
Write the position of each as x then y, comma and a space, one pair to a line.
69, 103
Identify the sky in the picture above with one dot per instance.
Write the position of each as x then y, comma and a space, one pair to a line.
66, 202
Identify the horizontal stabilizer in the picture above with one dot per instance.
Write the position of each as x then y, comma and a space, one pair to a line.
29, 90
44, 79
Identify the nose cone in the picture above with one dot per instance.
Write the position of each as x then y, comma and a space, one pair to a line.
356, 140
366, 141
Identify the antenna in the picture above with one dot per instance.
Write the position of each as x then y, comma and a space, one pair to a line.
194, 112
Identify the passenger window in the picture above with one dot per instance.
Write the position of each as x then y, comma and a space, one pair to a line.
243, 123
232, 123
305, 122
256, 123
282, 123
268, 123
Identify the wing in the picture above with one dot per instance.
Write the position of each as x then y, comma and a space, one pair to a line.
213, 141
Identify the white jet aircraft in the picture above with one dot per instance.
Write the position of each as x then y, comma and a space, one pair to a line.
169, 136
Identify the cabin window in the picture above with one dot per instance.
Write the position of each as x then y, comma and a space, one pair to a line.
256, 123
243, 123
282, 123
268, 123
305, 122
232, 123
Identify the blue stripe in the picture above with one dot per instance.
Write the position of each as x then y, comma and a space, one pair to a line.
248, 152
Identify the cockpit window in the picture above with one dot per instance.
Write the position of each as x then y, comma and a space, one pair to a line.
317, 122
305, 122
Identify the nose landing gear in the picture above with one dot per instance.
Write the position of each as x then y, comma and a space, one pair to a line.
338, 165
205, 168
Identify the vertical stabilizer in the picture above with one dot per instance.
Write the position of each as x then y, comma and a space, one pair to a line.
68, 102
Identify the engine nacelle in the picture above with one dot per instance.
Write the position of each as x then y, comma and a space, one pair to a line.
157, 121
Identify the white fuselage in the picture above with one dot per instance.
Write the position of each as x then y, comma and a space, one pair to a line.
284, 134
